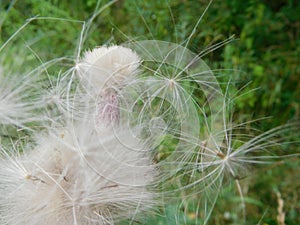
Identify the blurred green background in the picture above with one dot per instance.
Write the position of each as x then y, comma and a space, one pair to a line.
265, 55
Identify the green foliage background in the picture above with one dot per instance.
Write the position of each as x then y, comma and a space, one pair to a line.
265, 56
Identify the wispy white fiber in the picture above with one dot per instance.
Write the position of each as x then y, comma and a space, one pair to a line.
77, 175
79, 171
108, 66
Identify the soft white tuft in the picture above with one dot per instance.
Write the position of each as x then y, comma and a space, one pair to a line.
78, 175
108, 66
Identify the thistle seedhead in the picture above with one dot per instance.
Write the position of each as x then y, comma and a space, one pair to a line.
79, 171
77, 175
109, 67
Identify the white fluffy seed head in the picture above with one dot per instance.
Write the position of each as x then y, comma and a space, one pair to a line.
78, 175
108, 66
83, 173
104, 72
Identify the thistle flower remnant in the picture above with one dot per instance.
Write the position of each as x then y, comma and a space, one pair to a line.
105, 67
104, 71
82, 172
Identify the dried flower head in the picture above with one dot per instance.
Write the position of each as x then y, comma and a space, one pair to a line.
83, 172
108, 66
78, 175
